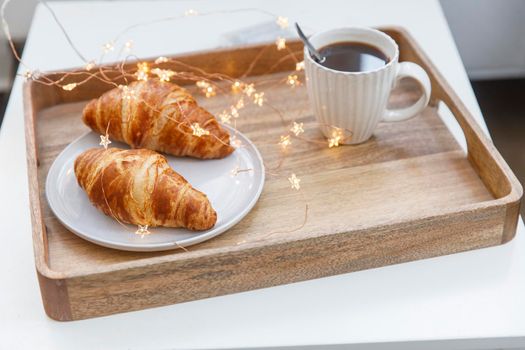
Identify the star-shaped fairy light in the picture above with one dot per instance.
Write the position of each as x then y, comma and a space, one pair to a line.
107, 47
285, 141
235, 171
28, 75
127, 92
129, 45
295, 182
225, 117
280, 43
297, 128
161, 59
258, 98
143, 66
202, 84
142, 71
337, 137
142, 230
198, 131
104, 141
240, 103
236, 87
89, 66
299, 66
249, 90
292, 80
207, 89
163, 74
333, 142
282, 22
235, 142
141, 75
210, 91
234, 112
69, 87
190, 12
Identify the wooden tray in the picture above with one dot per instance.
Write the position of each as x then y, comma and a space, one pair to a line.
409, 193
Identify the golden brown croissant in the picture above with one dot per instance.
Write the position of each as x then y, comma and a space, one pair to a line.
139, 187
158, 116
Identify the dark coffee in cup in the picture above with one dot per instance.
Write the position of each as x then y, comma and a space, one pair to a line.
349, 56
349, 91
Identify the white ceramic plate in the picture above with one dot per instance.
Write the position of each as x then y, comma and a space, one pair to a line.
231, 196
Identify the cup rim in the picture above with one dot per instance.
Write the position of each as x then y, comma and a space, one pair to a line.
395, 58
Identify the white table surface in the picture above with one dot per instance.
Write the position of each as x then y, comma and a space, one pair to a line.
468, 300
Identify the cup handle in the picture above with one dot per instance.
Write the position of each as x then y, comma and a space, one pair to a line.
414, 71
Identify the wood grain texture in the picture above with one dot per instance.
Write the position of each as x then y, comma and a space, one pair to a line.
409, 193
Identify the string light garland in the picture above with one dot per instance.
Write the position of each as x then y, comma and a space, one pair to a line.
336, 139
295, 182
129, 45
108, 47
161, 59
198, 131
249, 90
258, 98
285, 141
206, 88
127, 92
239, 104
280, 43
237, 87
205, 82
142, 230
163, 74
28, 75
292, 80
297, 128
234, 112
235, 171
104, 141
225, 117
69, 87
142, 72
282, 22
235, 142
90, 65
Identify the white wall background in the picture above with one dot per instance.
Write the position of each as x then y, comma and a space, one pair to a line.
19, 14
490, 35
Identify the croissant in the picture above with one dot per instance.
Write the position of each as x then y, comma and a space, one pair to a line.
160, 116
140, 188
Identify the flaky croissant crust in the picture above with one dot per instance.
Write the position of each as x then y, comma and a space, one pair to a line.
139, 187
159, 116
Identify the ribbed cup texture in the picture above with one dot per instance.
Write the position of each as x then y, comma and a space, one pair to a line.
353, 102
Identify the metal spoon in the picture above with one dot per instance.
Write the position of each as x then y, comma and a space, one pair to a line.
315, 54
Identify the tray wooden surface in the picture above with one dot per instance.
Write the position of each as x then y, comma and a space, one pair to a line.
409, 193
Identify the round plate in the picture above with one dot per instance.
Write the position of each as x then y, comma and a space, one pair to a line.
232, 196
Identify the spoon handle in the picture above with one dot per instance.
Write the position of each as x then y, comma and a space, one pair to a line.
305, 40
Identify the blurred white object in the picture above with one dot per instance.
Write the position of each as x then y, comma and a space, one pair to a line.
489, 36
258, 33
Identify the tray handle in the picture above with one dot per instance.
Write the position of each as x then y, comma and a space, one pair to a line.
482, 154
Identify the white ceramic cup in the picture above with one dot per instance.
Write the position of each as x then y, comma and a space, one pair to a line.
351, 104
